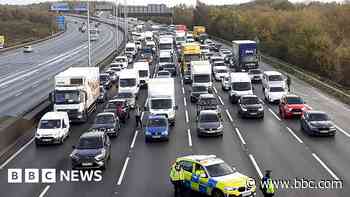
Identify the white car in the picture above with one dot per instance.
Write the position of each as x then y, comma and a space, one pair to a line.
273, 78
122, 60
204, 49
164, 74
220, 72
189, 40
274, 93
27, 49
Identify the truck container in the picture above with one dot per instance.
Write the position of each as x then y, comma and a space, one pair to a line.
245, 55
197, 31
201, 73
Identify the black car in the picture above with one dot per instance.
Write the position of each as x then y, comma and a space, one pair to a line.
250, 106
120, 107
209, 123
208, 102
197, 90
317, 123
171, 68
187, 78
92, 151
103, 95
107, 122
105, 80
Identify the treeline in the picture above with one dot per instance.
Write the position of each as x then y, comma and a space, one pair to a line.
315, 37
24, 23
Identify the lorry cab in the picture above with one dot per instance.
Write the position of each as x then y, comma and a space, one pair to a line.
240, 85
142, 68
129, 81
53, 127
245, 55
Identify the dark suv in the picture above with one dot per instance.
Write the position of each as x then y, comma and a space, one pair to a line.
317, 123
107, 122
120, 107
208, 102
250, 106
92, 151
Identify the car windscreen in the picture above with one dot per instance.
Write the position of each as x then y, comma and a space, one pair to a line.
295, 100
209, 118
221, 71
104, 78
67, 97
168, 66
120, 60
104, 119
163, 73
165, 46
157, 122
318, 117
250, 100
90, 143
199, 89
192, 57
114, 104
165, 59
208, 101
276, 89
143, 73
161, 103
275, 78
255, 71
50, 124
127, 82
241, 86
219, 64
204, 47
201, 78
130, 49
220, 169
180, 39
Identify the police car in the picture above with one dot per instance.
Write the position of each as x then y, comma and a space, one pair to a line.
210, 175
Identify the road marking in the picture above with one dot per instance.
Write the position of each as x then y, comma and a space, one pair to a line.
134, 139
16, 153
222, 103
273, 113
240, 136
183, 90
342, 130
42, 194
123, 171
325, 167
185, 103
189, 137
36, 84
182, 82
186, 113
215, 90
229, 115
294, 135
255, 165
142, 116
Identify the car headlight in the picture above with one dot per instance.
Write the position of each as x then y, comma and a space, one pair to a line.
220, 127
110, 129
230, 188
73, 156
148, 133
261, 108
101, 155
332, 128
37, 135
165, 132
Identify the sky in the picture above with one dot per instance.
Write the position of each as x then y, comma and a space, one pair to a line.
168, 2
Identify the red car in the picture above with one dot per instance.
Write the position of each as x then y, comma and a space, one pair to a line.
292, 106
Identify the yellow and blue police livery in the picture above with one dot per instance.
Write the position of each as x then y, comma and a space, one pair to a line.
210, 175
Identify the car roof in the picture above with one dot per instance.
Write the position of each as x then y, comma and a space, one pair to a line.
92, 134
205, 160
207, 96
105, 114
315, 112
205, 112
53, 115
156, 117
249, 95
272, 73
292, 95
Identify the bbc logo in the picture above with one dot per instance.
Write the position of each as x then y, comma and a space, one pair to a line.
30, 175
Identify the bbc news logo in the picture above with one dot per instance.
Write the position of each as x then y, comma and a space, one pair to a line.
51, 175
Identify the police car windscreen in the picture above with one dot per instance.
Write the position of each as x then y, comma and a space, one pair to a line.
220, 169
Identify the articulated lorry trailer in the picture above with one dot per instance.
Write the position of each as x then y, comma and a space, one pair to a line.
245, 55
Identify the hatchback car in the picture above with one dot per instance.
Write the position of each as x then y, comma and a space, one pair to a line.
157, 128
209, 123
120, 107
27, 49
92, 151
250, 106
292, 105
107, 122
208, 102
317, 123
128, 96
197, 90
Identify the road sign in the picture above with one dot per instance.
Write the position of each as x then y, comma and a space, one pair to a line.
63, 7
82, 7
2, 42
60, 20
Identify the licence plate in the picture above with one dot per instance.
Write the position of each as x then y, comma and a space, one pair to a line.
324, 131
156, 136
246, 193
297, 113
46, 140
86, 164
254, 113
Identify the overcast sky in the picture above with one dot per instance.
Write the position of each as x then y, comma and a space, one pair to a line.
169, 2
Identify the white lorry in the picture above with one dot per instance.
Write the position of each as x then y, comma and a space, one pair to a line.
166, 44
201, 73
129, 81
142, 68
76, 92
161, 98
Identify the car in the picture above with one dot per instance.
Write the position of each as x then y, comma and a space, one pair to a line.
292, 105
27, 49
116, 71
93, 150
187, 77
317, 123
163, 74
212, 176
225, 52
221, 72
255, 75
273, 78
209, 123
190, 40
250, 106
157, 128
128, 96
208, 102
105, 80
170, 67
107, 122
112, 106
53, 128
103, 95
217, 64
216, 58
123, 60
204, 49
273, 94
113, 75
197, 90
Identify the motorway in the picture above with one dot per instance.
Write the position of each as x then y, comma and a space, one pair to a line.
27, 78
252, 146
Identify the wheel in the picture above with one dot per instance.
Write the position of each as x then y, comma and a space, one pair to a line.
217, 193
62, 140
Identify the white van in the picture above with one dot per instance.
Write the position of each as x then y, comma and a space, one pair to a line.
142, 68
165, 57
53, 128
129, 81
273, 78
131, 48
240, 85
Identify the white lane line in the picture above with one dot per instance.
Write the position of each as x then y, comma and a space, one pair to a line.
229, 115
36, 84
325, 167
19, 94
222, 103
120, 180
294, 135
16, 153
42, 194
240, 136
185, 103
183, 90
342, 130
252, 159
273, 113
142, 115
189, 137
215, 90
182, 82
186, 114
134, 139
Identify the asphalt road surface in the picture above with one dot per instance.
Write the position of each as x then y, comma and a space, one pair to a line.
137, 168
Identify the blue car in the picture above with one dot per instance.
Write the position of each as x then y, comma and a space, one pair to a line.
157, 128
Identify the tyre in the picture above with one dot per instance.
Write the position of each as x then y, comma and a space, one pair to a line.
217, 193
